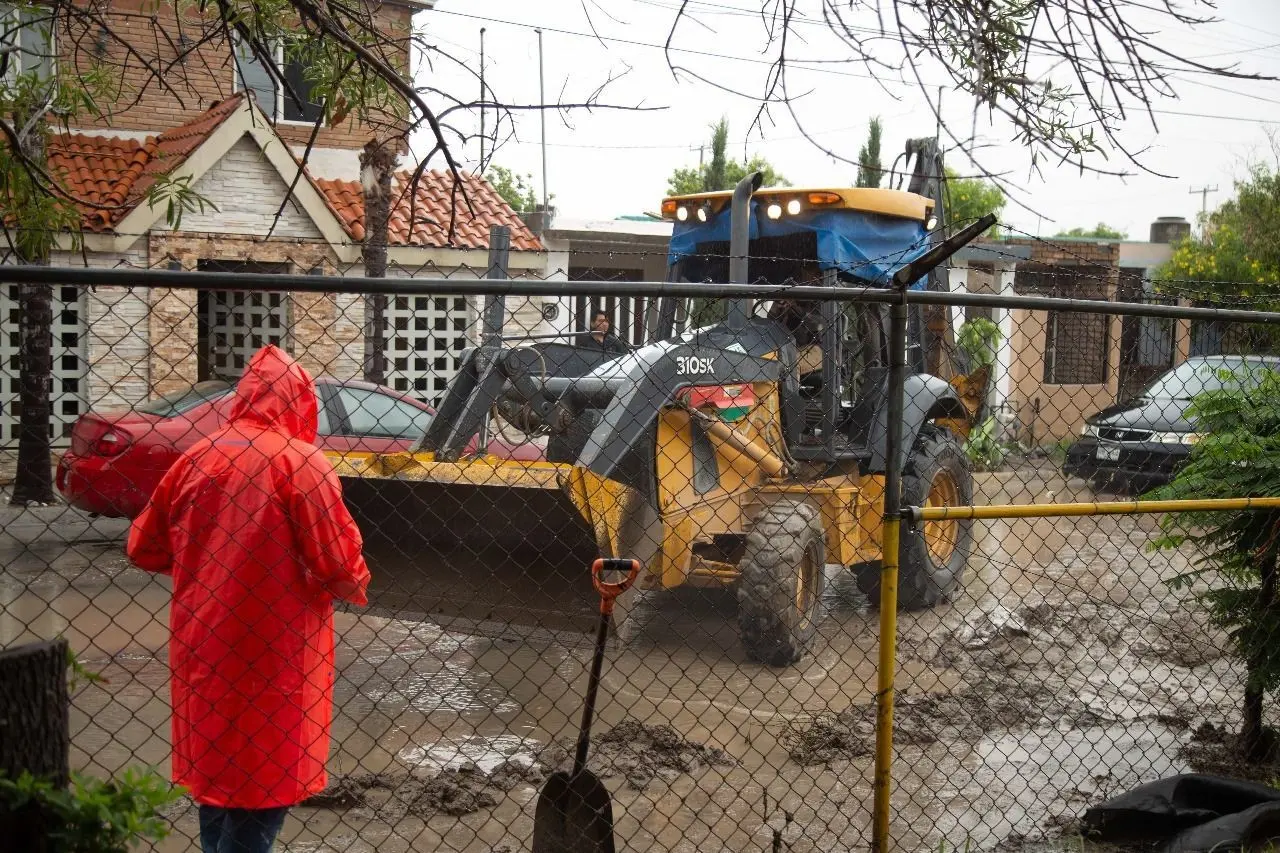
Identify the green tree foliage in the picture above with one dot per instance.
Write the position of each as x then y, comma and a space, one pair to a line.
1235, 570
38, 93
979, 340
1101, 231
516, 190
970, 199
869, 165
721, 172
1238, 250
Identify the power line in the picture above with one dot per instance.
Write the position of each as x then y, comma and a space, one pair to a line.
1249, 95
1253, 119
1241, 50
634, 43
769, 62
798, 18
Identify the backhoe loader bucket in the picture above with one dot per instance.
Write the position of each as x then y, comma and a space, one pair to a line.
482, 540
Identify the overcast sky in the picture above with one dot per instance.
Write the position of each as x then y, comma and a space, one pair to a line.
608, 163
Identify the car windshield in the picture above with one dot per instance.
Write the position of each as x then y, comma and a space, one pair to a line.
176, 402
1198, 375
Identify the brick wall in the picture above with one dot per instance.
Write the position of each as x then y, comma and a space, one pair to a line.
147, 32
245, 191
1069, 254
174, 323
1079, 270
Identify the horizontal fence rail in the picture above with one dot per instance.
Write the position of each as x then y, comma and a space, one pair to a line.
470, 286
916, 514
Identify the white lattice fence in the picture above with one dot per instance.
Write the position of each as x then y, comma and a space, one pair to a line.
70, 373
425, 340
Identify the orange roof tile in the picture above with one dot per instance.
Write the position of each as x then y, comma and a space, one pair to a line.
477, 203
117, 173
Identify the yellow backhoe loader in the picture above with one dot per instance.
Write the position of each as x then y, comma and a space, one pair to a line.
743, 445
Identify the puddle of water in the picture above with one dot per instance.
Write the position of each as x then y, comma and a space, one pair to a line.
485, 753
1011, 784
128, 614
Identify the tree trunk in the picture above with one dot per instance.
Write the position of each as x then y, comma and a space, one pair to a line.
35, 731
1252, 741
1253, 736
34, 480
377, 163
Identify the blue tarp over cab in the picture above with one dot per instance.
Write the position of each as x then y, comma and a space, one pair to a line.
867, 246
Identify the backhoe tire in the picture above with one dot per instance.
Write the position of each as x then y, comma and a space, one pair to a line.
931, 558
782, 580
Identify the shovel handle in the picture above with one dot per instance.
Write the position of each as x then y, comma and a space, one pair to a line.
609, 592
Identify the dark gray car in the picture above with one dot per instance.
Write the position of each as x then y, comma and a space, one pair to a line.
1140, 443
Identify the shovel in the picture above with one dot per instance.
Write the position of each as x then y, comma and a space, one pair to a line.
575, 814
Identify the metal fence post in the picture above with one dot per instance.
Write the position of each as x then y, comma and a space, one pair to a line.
495, 312
889, 576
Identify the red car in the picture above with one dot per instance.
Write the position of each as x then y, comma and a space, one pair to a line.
117, 458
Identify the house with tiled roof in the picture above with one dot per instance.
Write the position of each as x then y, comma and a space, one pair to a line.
265, 211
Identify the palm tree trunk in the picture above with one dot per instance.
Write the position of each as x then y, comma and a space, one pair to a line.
33, 482
377, 162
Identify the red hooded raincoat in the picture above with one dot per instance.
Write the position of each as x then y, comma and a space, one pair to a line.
250, 523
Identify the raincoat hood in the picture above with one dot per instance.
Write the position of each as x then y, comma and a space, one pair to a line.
276, 392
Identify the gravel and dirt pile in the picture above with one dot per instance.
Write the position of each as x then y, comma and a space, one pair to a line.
454, 792
1042, 664
1217, 750
639, 753
636, 752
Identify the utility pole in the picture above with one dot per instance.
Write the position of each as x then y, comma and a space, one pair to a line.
1204, 197
701, 149
482, 99
542, 112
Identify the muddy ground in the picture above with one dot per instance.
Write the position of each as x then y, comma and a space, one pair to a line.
1065, 671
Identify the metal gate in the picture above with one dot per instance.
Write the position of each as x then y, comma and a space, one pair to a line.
70, 370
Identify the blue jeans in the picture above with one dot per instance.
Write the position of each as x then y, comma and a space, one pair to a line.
224, 830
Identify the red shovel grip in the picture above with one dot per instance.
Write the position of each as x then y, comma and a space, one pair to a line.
609, 592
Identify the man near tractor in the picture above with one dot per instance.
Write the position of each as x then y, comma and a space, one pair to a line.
251, 525
601, 336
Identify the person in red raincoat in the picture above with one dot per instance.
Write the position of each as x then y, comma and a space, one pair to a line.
251, 525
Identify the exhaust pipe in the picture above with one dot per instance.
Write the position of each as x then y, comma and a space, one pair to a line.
739, 245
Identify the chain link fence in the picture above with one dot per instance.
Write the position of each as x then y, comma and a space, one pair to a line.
490, 449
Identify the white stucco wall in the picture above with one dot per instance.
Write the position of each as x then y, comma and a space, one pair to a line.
246, 191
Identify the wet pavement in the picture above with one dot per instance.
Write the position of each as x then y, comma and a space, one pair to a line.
1065, 671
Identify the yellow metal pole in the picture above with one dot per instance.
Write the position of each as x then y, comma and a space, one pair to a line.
893, 446
884, 683
993, 511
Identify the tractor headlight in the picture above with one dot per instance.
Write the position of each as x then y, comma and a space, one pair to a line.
931, 223
774, 211
793, 206
702, 213
682, 213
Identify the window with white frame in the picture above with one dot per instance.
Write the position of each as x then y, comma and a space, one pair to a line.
274, 99
31, 31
